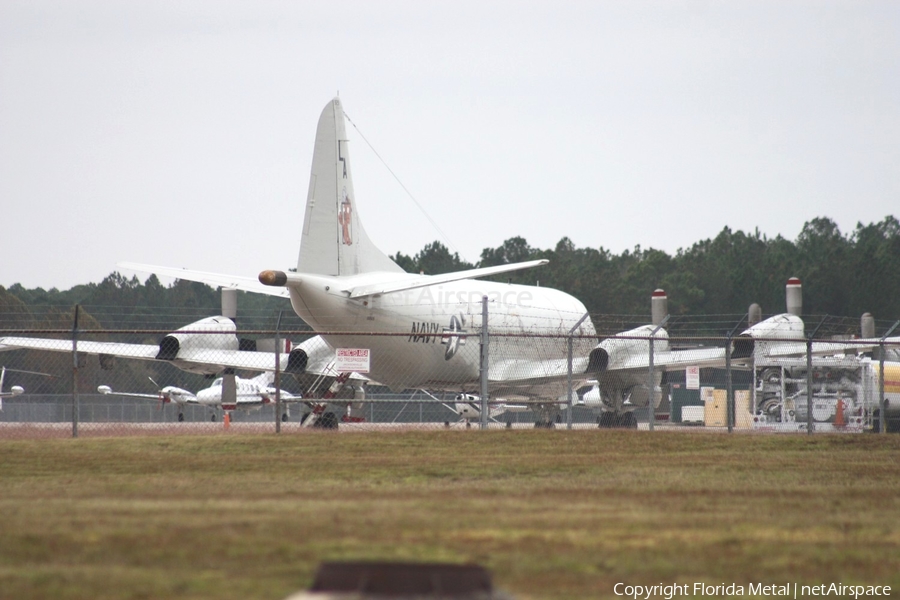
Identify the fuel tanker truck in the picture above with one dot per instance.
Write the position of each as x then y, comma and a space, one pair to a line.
846, 394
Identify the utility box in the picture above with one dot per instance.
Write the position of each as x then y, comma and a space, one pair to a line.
681, 399
716, 407
692, 415
743, 416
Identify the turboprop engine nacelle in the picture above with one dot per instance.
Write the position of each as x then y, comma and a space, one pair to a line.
313, 355
774, 330
191, 346
615, 352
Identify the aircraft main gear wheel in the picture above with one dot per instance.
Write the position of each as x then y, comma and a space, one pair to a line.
181, 416
468, 425
212, 417
629, 421
327, 421
606, 420
544, 425
284, 418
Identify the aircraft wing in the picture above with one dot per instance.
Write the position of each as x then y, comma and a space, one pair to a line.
522, 372
140, 351
245, 284
671, 360
131, 395
790, 349
171, 393
196, 360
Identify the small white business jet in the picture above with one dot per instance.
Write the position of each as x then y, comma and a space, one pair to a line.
251, 394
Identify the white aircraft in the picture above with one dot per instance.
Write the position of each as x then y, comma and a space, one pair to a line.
347, 289
468, 407
251, 394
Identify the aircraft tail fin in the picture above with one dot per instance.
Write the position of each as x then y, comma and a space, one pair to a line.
334, 241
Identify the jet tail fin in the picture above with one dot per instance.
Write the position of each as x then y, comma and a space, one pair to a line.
334, 241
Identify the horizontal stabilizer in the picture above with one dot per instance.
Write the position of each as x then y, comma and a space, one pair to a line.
245, 284
427, 280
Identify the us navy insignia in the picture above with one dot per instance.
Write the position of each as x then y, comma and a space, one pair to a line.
454, 336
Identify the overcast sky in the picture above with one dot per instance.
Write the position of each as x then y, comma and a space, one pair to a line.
180, 133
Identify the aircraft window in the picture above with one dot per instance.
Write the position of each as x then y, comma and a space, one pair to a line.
217, 383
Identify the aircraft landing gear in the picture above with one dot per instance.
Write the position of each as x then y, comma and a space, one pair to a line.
284, 418
327, 420
611, 420
547, 418
180, 417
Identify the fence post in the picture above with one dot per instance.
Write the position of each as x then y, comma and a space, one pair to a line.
571, 392
729, 388
484, 363
810, 424
729, 383
809, 387
75, 375
882, 423
278, 374
651, 405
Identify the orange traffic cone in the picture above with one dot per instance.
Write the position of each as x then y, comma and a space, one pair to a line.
227, 420
839, 415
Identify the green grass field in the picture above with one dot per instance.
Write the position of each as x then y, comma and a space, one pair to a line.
553, 514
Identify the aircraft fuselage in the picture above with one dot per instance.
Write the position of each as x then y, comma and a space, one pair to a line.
429, 336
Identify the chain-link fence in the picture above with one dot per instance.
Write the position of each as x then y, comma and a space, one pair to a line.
211, 377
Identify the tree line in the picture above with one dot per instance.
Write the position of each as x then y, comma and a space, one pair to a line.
842, 274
